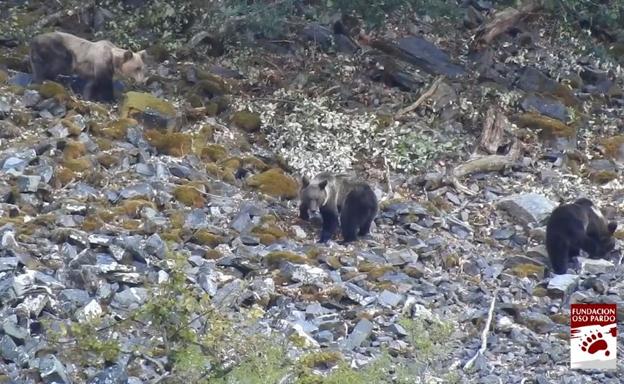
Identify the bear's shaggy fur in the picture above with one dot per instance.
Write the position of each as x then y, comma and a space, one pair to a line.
575, 226
341, 201
59, 53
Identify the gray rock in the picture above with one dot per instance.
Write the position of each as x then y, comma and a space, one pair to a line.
537, 322
528, 208
428, 57
595, 266
389, 299
546, 106
58, 131
8, 348
30, 98
324, 337
89, 312
302, 273
77, 297
358, 294
115, 374
129, 298
52, 370
138, 190
360, 333
11, 328
155, 246
197, 219
28, 183
562, 285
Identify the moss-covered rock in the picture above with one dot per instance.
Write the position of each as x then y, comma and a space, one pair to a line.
4, 76
173, 143
205, 237
52, 89
275, 183
552, 131
117, 129
247, 121
141, 102
528, 270
274, 258
74, 149
132, 207
63, 176
613, 147
158, 52
189, 195
213, 152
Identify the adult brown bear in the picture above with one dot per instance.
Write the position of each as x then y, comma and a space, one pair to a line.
575, 226
342, 201
60, 53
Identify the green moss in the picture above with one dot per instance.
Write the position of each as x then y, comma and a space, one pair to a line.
108, 160
133, 207
49, 89
274, 258
116, 130
527, 270
275, 183
174, 144
158, 52
138, 101
3, 76
247, 121
550, 128
82, 164
613, 147
321, 360
213, 152
189, 195
205, 237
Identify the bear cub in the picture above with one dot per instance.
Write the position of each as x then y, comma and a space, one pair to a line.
575, 226
59, 53
342, 201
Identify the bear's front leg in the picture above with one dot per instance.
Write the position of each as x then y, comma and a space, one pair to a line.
330, 224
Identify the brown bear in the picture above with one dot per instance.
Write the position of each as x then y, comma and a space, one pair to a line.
59, 53
575, 226
342, 201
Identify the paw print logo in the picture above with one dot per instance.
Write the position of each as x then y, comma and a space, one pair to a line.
594, 343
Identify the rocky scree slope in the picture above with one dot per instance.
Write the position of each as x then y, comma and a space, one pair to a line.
115, 217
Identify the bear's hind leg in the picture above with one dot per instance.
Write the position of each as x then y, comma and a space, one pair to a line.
349, 226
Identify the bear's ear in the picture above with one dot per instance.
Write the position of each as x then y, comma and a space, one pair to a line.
305, 181
128, 55
323, 184
143, 54
612, 226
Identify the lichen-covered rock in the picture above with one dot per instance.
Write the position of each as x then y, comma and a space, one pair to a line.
247, 121
275, 183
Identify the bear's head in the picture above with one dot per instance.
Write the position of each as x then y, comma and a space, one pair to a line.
604, 242
312, 197
130, 64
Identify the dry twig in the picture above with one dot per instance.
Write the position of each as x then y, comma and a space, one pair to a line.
484, 334
422, 97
